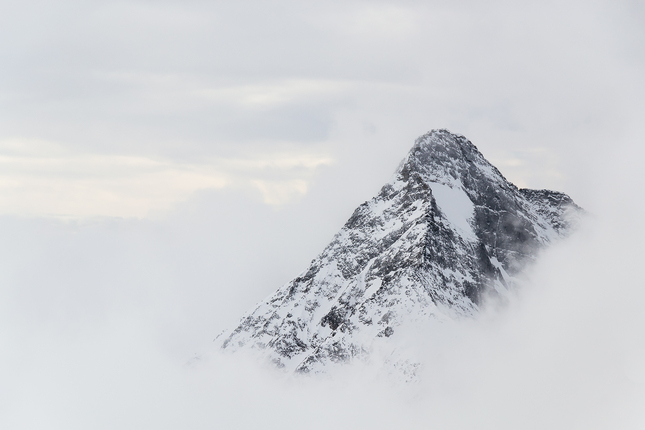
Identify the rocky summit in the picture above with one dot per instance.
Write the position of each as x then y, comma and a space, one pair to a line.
445, 233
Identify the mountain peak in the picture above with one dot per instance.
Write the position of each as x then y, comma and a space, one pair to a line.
446, 231
447, 158
446, 145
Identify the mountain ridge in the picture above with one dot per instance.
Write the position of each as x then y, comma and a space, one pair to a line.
445, 231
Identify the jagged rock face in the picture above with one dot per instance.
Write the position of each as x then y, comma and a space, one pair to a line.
446, 230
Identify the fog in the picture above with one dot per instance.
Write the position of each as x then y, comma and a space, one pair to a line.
166, 166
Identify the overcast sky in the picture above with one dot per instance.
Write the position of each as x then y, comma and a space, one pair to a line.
165, 165
126, 108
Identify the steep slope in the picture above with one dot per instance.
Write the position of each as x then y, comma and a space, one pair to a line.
448, 229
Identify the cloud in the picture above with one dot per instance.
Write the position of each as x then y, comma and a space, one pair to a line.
276, 193
44, 178
567, 353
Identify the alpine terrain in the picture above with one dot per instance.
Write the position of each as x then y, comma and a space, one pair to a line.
448, 231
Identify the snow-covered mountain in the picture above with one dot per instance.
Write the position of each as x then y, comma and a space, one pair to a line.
446, 232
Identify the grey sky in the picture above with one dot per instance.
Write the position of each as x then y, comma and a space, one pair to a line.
101, 101
166, 165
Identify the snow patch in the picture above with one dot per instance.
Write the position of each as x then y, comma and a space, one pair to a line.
456, 206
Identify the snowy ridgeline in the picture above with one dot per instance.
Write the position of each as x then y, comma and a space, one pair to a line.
445, 232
